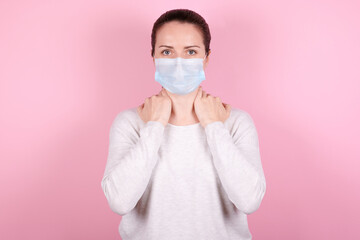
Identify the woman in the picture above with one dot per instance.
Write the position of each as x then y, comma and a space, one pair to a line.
183, 165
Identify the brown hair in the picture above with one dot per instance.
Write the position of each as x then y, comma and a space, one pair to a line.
184, 16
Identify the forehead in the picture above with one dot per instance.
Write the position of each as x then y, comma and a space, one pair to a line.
177, 33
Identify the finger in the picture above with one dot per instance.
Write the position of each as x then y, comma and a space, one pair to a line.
140, 108
203, 93
199, 93
161, 92
228, 107
165, 93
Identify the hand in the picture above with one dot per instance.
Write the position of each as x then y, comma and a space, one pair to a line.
210, 109
156, 108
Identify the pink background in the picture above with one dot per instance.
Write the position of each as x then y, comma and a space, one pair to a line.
68, 67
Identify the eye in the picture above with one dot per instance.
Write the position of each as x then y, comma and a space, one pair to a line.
165, 51
193, 51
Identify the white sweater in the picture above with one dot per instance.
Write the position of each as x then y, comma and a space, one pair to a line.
183, 182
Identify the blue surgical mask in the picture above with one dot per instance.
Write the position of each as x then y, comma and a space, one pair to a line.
179, 75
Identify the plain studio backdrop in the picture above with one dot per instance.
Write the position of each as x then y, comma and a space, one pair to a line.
68, 67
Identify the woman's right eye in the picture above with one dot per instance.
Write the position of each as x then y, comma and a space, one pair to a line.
165, 51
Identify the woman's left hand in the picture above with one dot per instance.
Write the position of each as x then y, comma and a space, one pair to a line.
210, 109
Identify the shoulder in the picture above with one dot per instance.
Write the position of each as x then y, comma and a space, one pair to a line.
127, 115
241, 125
127, 119
239, 116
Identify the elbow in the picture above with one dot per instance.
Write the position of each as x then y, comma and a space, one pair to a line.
253, 203
116, 204
119, 208
251, 207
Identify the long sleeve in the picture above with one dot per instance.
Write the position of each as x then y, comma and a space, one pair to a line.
130, 162
236, 157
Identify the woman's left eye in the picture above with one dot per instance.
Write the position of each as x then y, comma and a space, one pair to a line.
193, 51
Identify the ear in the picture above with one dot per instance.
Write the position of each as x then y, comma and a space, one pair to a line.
207, 60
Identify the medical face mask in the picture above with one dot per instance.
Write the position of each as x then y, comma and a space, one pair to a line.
179, 75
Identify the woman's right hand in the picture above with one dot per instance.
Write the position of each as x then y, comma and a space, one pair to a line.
156, 108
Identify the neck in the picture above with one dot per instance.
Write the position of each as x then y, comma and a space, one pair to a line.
183, 111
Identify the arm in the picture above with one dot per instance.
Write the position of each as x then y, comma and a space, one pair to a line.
131, 159
237, 161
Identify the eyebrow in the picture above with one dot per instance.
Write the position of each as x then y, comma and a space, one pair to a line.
173, 47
